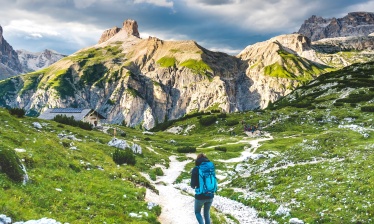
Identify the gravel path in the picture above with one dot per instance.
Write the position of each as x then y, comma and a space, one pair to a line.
177, 201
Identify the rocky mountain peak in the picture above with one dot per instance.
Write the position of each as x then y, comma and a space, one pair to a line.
9, 63
108, 34
131, 27
353, 24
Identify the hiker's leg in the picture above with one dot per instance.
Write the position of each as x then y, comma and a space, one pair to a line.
198, 205
207, 204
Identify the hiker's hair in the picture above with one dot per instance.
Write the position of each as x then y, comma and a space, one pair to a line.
201, 155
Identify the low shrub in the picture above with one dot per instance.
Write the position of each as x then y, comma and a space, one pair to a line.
222, 115
215, 111
219, 148
159, 171
186, 149
121, 156
232, 122
367, 109
63, 119
19, 112
10, 164
209, 120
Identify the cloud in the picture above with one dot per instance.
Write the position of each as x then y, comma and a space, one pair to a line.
81, 4
162, 3
31, 28
217, 2
34, 36
264, 16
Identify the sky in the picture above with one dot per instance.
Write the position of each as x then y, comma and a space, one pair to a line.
219, 25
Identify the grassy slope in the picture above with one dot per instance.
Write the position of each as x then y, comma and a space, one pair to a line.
88, 194
336, 189
295, 67
329, 146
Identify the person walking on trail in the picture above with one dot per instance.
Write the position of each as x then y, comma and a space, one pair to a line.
204, 181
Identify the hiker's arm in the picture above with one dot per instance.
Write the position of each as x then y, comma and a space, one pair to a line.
195, 178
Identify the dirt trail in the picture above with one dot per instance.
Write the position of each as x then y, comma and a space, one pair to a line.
177, 200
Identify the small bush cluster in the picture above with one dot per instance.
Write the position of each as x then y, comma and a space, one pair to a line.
10, 164
358, 97
19, 112
209, 120
222, 115
156, 172
215, 111
219, 148
186, 149
63, 119
232, 122
124, 156
367, 109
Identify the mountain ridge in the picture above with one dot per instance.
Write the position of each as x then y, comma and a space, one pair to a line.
353, 24
9, 62
145, 82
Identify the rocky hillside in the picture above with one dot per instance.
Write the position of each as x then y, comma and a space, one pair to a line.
9, 62
144, 82
354, 24
31, 61
279, 65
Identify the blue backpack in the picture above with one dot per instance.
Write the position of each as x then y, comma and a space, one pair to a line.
207, 179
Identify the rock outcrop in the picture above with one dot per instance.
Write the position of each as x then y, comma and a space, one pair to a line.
354, 24
9, 63
108, 34
35, 61
333, 45
130, 28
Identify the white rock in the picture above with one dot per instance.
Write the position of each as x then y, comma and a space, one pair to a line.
283, 211
40, 221
148, 133
175, 130
296, 221
37, 125
19, 150
132, 214
118, 143
5, 220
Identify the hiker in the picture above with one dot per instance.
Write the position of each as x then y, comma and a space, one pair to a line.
204, 187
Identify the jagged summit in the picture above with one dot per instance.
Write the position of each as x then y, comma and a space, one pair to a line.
9, 63
353, 24
129, 28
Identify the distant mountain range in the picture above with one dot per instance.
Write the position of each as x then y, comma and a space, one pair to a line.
353, 24
13, 62
144, 82
32, 61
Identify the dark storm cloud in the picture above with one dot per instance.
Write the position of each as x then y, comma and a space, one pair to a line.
228, 25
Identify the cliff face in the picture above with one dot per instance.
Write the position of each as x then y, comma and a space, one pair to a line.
354, 24
9, 63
